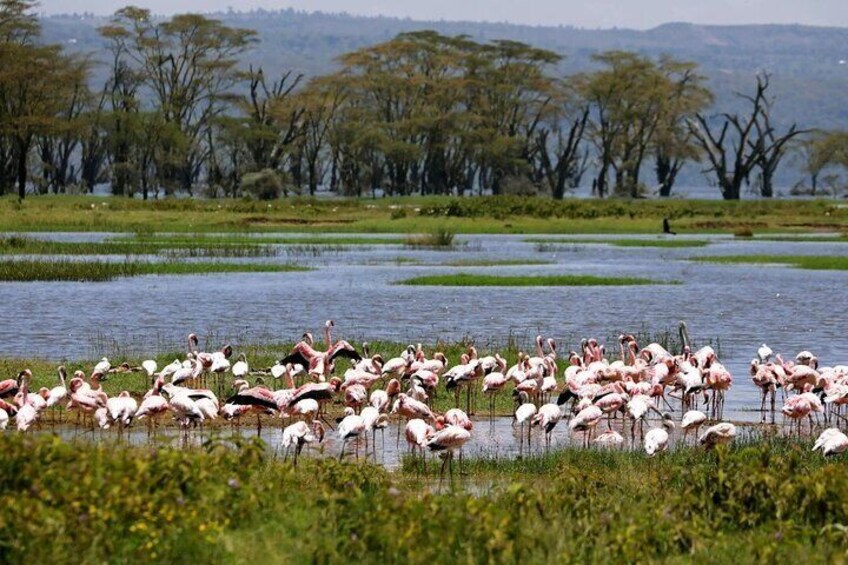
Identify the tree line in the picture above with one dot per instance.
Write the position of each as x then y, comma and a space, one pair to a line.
422, 113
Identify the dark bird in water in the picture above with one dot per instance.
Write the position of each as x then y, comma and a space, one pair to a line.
667, 227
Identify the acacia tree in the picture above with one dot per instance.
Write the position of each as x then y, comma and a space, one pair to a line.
672, 144
187, 66
562, 162
36, 85
825, 150
638, 107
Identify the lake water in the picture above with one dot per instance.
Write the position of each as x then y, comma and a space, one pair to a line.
741, 305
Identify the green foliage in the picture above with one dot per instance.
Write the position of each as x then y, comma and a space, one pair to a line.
230, 503
264, 185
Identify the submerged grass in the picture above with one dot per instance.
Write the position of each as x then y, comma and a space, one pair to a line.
65, 270
548, 244
229, 502
495, 262
468, 279
812, 262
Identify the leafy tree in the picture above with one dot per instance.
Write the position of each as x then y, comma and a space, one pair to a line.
37, 83
824, 150
187, 65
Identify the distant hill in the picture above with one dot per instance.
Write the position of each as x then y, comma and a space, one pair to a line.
809, 65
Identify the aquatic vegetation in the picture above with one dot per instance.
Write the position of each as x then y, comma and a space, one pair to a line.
813, 262
468, 279
440, 237
66, 270
549, 244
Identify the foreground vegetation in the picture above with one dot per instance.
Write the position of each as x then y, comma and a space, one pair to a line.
232, 503
97, 271
812, 262
467, 279
432, 215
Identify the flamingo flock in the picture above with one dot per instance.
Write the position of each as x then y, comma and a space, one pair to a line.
606, 403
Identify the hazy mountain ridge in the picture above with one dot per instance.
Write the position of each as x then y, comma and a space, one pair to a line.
808, 79
808, 64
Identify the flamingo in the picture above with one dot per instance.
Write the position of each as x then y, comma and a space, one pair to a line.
547, 417
351, 426
831, 442
9, 388
492, 384
585, 421
718, 434
609, 439
374, 420
240, 368
6, 410
656, 440
524, 412
101, 368
259, 397
449, 439
417, 432
59, 393
299, 434
122, 408
381, 399
182, 405
27, 411
152, 405
692, 420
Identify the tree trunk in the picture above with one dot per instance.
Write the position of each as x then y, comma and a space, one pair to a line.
23, 153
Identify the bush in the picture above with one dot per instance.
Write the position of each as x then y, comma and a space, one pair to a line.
267, 184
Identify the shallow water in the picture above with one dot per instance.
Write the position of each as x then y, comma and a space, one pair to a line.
743, 306
490, 438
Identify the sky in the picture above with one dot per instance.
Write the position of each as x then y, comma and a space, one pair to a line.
634, 14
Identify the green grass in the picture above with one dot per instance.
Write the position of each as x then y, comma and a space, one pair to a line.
420, 215
467, 279
229, 502
548, 244
64, 270
812, 262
